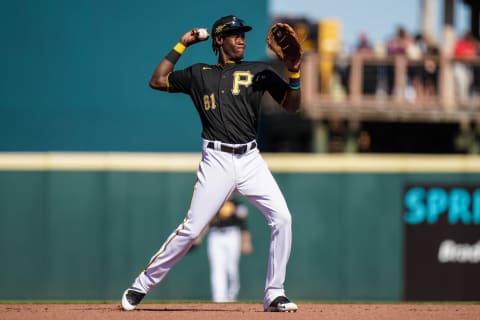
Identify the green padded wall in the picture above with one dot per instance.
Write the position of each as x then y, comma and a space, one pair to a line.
86, 234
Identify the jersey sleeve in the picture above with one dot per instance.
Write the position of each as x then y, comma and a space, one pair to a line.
180, 80
274, 84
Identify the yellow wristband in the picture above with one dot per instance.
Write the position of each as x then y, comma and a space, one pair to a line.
294, 75
180, 48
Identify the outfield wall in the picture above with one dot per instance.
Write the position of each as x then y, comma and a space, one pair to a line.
81, 226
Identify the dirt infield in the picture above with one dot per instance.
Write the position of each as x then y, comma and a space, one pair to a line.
211, 311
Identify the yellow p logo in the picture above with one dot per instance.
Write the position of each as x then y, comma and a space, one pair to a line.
241, 78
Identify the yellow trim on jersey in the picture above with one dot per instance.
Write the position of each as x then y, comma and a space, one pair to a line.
167, 80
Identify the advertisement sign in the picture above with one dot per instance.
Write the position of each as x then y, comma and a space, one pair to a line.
442, 242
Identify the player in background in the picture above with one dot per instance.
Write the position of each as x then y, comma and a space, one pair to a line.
228, 238
227, 97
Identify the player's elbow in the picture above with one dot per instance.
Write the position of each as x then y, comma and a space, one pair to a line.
159, 82
155, 84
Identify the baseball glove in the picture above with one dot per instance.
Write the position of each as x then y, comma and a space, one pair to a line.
283, 41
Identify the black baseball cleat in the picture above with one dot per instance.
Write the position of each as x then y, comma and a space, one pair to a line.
282, 304
131, 298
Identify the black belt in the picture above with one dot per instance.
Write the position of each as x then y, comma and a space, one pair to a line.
235, 150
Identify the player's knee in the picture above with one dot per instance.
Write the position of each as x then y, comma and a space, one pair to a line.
192, 233
282, 220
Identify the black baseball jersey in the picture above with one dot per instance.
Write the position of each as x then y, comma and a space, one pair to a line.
228, 97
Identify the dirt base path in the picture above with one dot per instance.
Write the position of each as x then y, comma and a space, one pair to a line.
240, 311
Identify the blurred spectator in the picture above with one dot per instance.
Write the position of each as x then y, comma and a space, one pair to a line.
414, 51
363, 44
465, 49
430, 65
364, 141
370, 72
399, 42
397, 45
423, 55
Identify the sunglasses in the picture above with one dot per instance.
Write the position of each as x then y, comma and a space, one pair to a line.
235, 23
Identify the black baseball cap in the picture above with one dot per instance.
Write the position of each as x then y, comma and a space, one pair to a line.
229, 24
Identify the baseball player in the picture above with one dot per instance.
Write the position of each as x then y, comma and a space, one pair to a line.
228, 238
227, 97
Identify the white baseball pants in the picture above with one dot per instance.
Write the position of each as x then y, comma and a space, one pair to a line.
219, 175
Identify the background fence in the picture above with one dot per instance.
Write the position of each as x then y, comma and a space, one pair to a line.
82, 226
